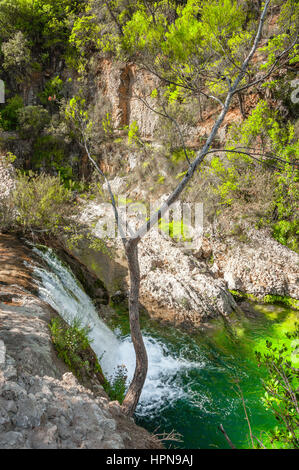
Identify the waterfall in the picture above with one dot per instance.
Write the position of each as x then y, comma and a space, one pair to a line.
189, 386
60, 289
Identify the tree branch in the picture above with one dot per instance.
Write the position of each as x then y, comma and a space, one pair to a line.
202, 153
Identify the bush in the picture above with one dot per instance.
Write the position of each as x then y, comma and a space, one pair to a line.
50, 153
40, 202
52, 92
17, 56
116, 387
71, 342
32, 121
287, 233
9, 114
281, 390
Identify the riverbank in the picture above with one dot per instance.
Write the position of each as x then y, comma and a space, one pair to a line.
42, 404
192, 382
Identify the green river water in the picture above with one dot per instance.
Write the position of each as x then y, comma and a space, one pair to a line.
190, 386
221, 354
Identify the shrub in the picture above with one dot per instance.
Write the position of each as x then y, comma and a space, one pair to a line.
32, 121
9, 114
71, 343
73, 346
287, 233
40, 202
17, 56
52, 91
116, 387
281, 390
50, 153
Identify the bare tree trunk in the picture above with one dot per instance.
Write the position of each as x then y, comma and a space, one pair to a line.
133, 394
131, 245
241, 105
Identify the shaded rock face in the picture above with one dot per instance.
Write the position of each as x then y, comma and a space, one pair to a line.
42, 405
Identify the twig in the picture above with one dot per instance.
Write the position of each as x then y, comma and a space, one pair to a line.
221, 428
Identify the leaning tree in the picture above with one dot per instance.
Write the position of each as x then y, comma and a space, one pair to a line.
235, 77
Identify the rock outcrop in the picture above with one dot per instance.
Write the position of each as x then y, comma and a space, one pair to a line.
42, 405
260, 267
7, 182
190, 286
123, 84
175, 286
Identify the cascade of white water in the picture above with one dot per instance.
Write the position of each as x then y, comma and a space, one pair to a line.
59, 288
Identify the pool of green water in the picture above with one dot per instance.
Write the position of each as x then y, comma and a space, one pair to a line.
221, 354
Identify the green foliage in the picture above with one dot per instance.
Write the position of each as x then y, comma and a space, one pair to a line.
267, 299
32, 121
116, 385
40, 202
44, 23
85, 35
178, 155
175, 229
50, 154
133, 133
279, 299
71, 343
9, 114
76, 113
278, 139
234, 176
238, 295
229, 176
52, 91
10, 157
176, 38
287, 233
108, 125
17, 55
281, 390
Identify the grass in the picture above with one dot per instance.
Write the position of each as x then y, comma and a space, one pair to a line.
73, 346
268, 299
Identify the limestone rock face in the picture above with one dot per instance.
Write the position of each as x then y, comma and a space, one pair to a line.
122, 84
261, 266
7, 183
42, 405
190, 286
175, 286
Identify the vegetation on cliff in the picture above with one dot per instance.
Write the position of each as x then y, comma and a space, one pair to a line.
233, 59
50, 54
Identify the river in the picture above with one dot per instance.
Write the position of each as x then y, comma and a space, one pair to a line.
191, 385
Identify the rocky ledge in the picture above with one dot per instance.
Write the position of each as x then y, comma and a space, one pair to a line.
42, 405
